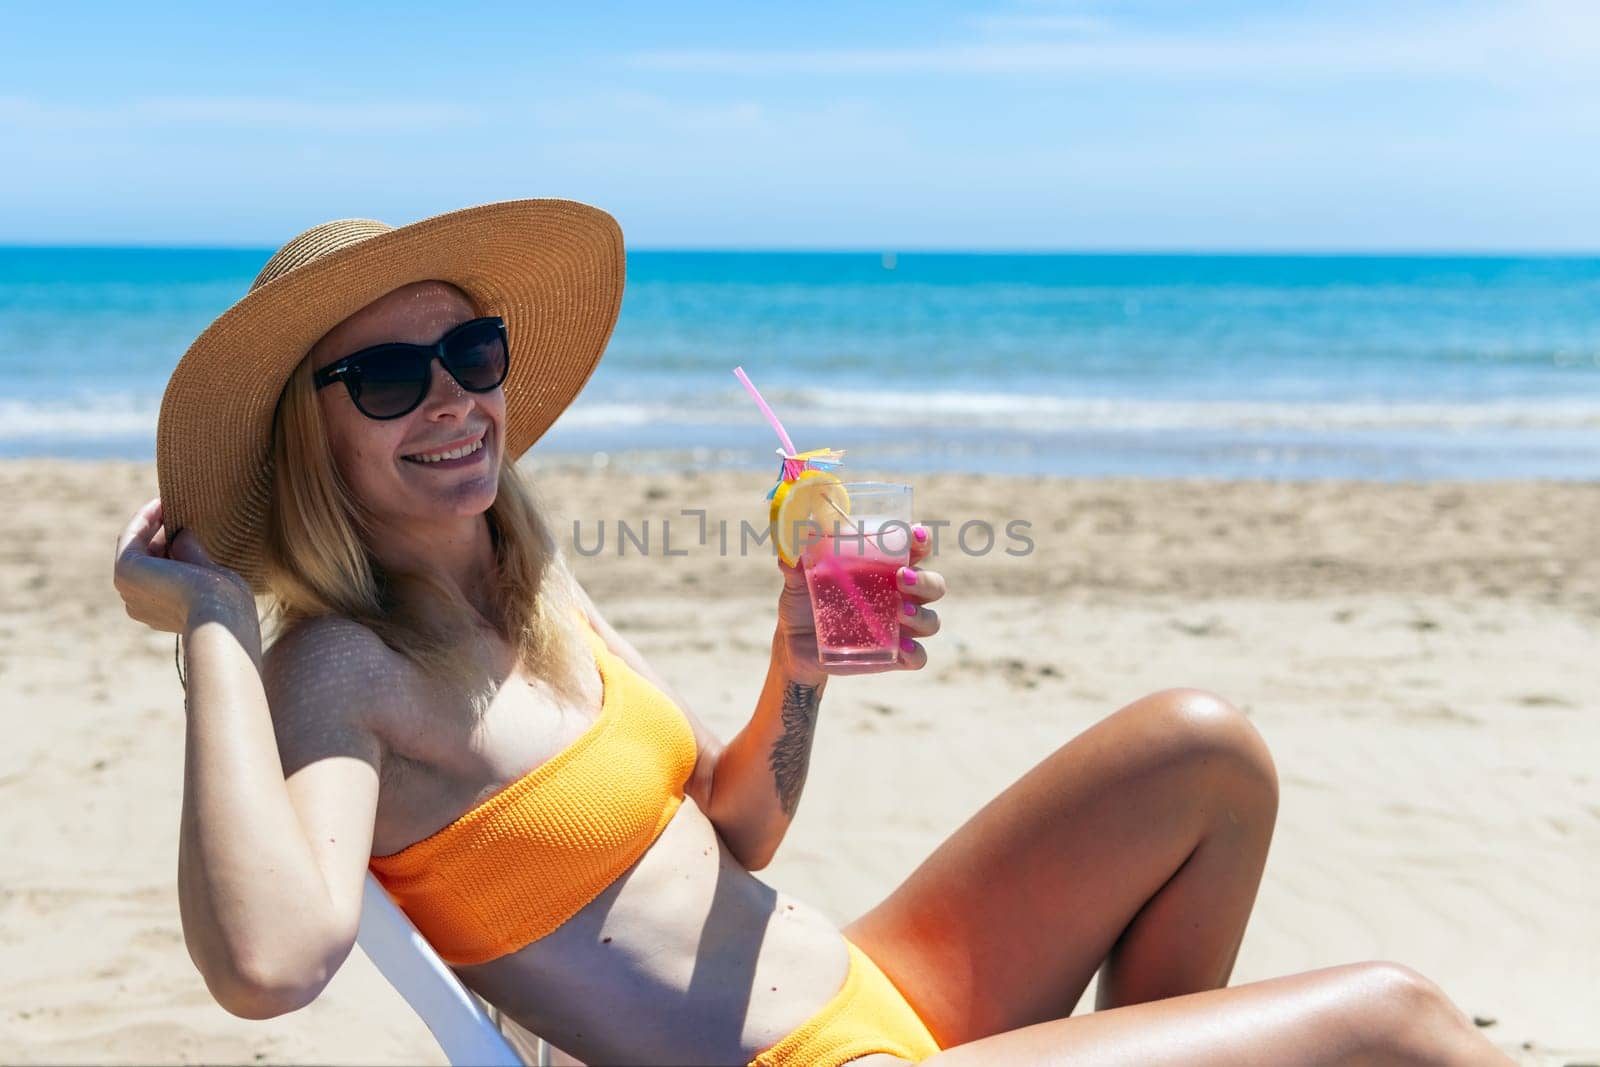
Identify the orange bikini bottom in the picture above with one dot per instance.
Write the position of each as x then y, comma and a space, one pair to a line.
867, 1015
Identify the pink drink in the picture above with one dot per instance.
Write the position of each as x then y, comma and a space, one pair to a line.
854, 594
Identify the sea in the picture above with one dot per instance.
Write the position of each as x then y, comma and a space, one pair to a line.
1379, 368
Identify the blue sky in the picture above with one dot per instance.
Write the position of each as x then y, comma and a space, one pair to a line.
1022, 124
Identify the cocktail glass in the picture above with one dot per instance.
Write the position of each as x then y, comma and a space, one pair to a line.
851, 564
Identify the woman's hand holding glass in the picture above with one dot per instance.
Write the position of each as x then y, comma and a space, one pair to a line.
918, 587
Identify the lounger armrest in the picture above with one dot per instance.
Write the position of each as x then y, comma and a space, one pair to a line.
457, 1019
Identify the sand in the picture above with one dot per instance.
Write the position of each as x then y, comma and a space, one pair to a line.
1420, 658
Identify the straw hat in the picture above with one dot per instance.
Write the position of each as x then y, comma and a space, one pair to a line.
553, 269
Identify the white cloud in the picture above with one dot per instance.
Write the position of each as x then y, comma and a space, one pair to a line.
604, 112
645, 127
301, 114
1491, 40
32, 113
1001, 25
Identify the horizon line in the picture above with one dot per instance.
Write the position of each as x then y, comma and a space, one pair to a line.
1309, 252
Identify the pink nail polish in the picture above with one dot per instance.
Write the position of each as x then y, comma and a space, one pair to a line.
907, 644
909, 608
920, 533
908, 576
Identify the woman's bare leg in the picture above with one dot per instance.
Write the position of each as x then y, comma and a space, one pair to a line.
1378, 1014
1139, 843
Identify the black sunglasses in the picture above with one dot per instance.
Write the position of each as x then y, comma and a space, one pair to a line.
389, 380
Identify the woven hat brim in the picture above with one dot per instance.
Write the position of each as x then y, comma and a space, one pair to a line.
554, 269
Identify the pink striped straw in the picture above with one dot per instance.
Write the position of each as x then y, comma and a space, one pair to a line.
791, 469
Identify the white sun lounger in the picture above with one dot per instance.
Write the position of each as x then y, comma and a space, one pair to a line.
467, 1032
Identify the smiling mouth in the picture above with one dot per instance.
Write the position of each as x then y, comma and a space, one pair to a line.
460, 452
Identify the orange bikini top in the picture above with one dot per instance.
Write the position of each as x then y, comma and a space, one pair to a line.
527, 859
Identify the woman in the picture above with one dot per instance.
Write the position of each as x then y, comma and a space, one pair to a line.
445, 706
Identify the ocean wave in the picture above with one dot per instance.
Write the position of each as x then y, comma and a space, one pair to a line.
79, 418
127, 417
1023, 413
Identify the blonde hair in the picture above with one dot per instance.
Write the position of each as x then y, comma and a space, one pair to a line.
318, 564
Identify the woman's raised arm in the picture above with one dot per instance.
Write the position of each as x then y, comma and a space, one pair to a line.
269, 872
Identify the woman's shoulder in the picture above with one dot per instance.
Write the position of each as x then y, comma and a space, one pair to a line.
335, 668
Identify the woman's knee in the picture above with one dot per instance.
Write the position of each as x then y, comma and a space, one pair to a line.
1209, 731
1416, 1018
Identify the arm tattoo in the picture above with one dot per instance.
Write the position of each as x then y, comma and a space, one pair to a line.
792, 751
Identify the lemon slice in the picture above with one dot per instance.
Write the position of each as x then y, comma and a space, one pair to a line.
812, 496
